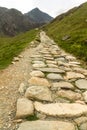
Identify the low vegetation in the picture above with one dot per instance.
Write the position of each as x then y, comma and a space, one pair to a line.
69, 30
11, 47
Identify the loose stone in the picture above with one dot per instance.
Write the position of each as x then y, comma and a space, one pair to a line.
53, 76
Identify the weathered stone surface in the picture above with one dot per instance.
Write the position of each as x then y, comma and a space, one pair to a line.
61, 109
62, 84
39, 92
83, 126
38, 65
81, 84
70, 58
46, 125
73, 75
22, 88
51, 70
52, 65
39, 81
51, 62
53, 76
74, 62
69, 95
80, 120
61, 59
85, 96
38, 62
37, 74
24, 108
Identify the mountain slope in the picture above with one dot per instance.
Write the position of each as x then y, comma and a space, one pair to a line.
69, 30
13, 21
38, 16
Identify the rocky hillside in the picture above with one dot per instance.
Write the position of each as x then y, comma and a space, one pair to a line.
13, 21
69, 30
38, 16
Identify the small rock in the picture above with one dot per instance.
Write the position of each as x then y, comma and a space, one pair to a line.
39, 81
81, 84
39, 92
22, 88
53, 76
16, 59
37, 74
24, 108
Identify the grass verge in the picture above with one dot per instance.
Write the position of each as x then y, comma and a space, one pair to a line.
11, 47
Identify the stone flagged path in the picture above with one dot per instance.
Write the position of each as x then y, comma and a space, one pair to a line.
56, 93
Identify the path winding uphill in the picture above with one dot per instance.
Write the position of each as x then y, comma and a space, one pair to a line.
47, 86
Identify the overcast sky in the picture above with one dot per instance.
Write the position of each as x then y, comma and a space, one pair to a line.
52, 7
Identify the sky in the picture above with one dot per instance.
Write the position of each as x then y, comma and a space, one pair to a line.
52, 7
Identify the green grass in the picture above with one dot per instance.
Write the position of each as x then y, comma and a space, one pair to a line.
32, 118
11, 47
73, 24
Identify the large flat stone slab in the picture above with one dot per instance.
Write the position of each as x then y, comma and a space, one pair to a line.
73, 75
51, 70
46, 125
61, 109
63, 85
81, 84
39, 92
56, 77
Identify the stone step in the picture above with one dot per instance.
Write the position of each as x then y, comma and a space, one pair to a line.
61, 109
46, 125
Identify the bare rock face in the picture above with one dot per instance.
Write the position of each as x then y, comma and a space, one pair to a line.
61, 109
39, 82
46, 125
39, 92
24, 108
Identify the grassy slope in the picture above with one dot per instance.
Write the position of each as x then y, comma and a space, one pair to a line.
74, 25
10, 47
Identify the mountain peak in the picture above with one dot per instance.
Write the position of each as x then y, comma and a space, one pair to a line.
39, 16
